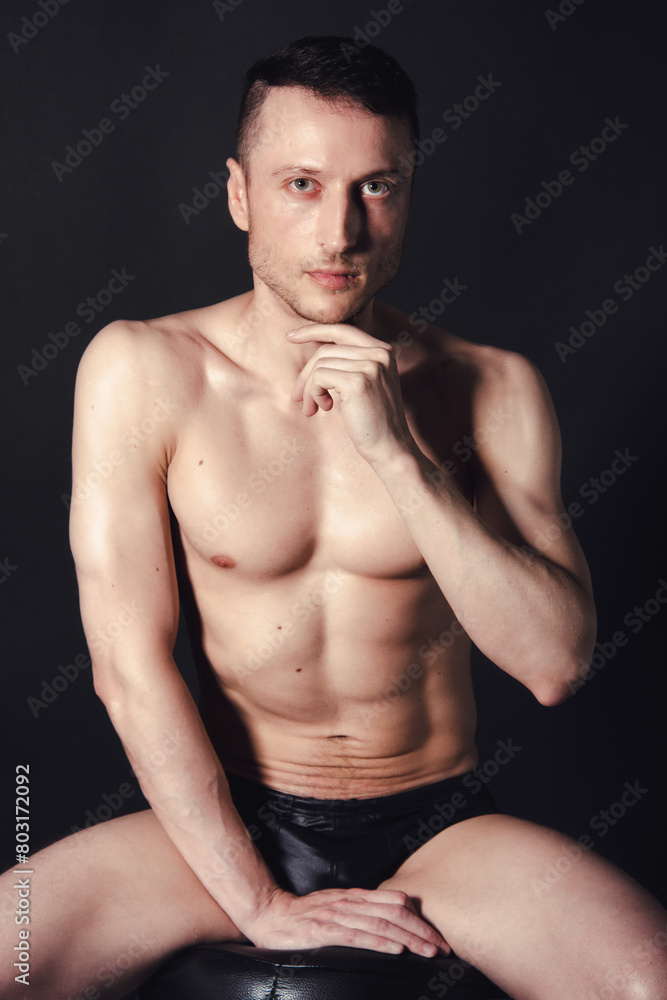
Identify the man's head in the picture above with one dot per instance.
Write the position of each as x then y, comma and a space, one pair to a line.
335, 69
320, 183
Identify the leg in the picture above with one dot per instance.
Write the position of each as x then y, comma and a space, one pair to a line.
589, 931
107, 905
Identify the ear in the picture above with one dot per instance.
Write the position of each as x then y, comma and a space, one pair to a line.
237, 194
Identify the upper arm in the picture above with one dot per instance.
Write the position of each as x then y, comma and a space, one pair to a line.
518, 464
119, 516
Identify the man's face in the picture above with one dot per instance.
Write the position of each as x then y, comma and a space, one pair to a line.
327, 203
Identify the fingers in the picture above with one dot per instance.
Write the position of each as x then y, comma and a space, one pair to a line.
392, 922
335, 934
350, 358
396, 896
385, 919
382, 920
347, 378
332, 333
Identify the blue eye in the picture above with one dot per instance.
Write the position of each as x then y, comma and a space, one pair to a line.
301, 181
377, 185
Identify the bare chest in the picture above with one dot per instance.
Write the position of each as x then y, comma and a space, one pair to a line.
261, 492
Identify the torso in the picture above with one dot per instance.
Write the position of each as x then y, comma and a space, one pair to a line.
329, 665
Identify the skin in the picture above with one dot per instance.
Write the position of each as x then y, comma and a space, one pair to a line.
360, 552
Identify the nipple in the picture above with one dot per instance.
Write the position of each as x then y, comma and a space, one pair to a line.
226, 562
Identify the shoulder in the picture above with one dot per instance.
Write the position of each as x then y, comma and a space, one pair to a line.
484, 374
513, 423
137, 350
514, 439
136, 378
174, 353
500, 378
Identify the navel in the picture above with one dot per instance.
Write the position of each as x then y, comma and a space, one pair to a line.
226, 562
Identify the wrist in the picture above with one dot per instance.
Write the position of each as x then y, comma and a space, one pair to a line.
240, 881
413, 480
253, 918
395, 463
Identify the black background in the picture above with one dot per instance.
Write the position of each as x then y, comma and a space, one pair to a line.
119, 208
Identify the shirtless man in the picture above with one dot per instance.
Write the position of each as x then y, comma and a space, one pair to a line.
328, 533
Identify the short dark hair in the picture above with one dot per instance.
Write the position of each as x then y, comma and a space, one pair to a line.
334, 68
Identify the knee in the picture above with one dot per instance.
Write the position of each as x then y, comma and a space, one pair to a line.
636, 982
651, 984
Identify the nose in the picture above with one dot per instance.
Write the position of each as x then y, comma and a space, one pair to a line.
339, 222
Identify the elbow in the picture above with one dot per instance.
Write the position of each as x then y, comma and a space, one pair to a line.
553, 694
568, 666
554, 687
107, 689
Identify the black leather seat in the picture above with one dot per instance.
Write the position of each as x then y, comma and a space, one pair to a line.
241, 972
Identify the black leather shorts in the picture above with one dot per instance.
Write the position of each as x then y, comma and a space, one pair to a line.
312, 844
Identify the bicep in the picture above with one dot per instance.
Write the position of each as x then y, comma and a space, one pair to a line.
119, 517
518, 466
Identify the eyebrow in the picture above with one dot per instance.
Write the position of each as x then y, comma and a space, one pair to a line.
302, 170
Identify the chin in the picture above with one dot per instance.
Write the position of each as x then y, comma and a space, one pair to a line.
340, 308
329, 316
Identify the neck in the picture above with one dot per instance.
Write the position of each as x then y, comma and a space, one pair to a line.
262, 325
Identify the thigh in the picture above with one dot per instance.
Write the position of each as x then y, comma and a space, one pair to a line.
537, 913
107, 905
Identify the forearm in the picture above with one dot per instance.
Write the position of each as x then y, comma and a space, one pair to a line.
527, 614
183, 780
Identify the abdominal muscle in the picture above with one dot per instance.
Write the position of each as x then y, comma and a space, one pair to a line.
350, 687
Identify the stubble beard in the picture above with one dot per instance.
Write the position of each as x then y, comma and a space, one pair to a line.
267, 264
